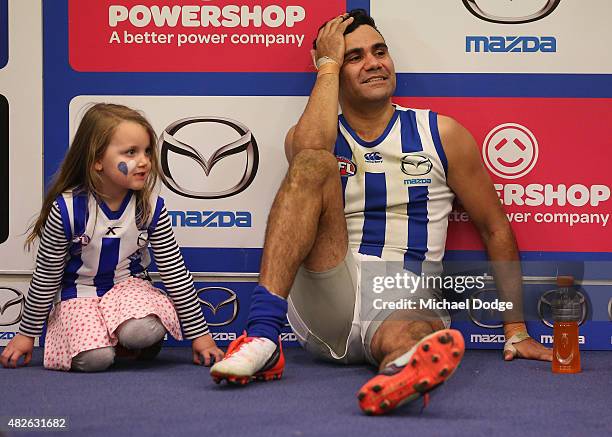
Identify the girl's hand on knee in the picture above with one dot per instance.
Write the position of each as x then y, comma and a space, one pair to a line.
19, 346
205, 351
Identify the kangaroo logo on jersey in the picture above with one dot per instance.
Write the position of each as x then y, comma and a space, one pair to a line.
416, 165
346, 166
373, 157
79, 242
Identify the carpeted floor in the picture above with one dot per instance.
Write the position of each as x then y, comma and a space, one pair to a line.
171, 397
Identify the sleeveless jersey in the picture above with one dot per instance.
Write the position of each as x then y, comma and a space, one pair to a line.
106, 246
396, 198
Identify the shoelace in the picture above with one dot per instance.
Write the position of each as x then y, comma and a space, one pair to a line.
248, 351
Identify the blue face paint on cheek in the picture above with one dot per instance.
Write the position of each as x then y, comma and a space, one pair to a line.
123, 168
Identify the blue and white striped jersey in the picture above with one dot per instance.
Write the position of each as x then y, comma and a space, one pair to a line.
396, 198
106, 247
86, 249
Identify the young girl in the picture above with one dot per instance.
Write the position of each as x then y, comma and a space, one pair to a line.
97, 220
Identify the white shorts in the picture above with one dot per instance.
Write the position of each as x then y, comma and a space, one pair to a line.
331, 316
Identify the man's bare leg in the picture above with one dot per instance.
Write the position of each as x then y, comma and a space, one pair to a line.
306, 224
399, 333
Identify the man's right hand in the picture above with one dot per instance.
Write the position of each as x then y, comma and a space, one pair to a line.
19, 346
330, 41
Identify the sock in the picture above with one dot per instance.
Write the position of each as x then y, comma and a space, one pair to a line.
267, 316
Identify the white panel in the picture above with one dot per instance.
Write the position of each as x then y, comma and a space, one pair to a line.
268, 118
430, 36
21, 84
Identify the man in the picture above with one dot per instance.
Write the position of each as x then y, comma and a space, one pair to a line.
323, 227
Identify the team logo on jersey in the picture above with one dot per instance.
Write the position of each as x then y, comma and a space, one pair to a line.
143, 239
346, 166
373, 158
82, 239
416, 165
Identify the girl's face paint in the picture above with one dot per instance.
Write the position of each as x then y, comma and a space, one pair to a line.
126, 168
123, 168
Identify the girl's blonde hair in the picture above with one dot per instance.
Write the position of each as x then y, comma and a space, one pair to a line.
90, 142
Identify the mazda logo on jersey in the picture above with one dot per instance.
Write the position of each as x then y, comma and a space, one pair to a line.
544, 307
11, 306
484, 317
610, 309
517, 12
172, 149
416, 165
222, 302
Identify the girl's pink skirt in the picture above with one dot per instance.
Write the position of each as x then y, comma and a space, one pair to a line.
81, 324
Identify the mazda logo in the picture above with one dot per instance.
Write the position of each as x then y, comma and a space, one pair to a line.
610, 308
474, 6
484, 315
416, 165
218, 299
246, 143
11, 306
544, 302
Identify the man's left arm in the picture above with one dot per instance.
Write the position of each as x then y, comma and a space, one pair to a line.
472, 185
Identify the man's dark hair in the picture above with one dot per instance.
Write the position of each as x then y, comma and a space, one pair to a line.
360, 17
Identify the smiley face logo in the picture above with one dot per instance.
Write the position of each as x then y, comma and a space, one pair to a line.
510, 151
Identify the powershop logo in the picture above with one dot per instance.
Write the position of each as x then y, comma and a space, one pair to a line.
180, 158
194, 35
511, 151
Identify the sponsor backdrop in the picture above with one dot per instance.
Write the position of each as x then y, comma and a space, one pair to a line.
21, 177
222, 82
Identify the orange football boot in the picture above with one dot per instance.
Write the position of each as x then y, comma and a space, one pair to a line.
423, 368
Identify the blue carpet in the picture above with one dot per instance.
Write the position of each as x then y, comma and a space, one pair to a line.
171, 397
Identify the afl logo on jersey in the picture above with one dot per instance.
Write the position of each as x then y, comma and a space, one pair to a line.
416, 165
346, 166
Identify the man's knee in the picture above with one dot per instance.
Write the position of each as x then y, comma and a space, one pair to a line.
94, 360
402, 329
312, 166
141, 333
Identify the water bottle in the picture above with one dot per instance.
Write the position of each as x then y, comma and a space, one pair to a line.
566, 311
